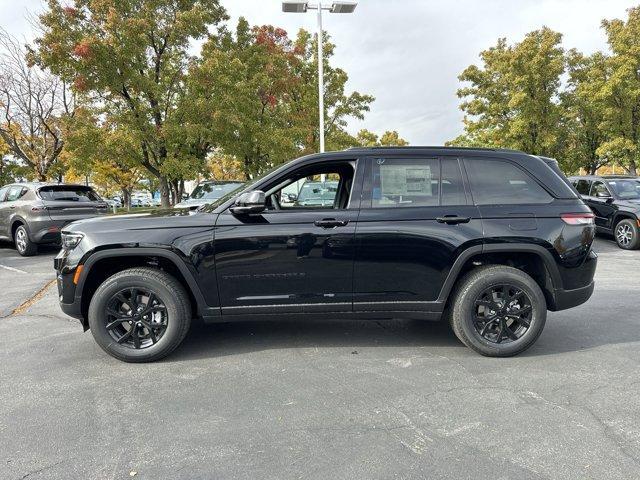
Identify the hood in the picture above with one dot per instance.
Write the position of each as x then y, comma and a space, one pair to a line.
138, 222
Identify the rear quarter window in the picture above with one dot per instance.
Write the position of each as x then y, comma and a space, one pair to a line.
497, 182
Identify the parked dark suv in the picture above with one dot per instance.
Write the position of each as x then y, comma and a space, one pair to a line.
32, 214
488, 239
615, 201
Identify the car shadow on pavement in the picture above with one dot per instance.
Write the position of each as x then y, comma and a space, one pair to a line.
564, 333
222, 339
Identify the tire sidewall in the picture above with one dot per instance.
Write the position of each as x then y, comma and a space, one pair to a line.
29, 247
97, 317
466, 310
634, 238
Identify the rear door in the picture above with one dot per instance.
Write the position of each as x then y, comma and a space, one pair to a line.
67, 203
416, 217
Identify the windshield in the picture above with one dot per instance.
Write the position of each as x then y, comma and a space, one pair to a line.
68, 194
213, 191
626, 189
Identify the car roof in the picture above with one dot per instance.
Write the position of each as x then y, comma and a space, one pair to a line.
605, 177
43, 184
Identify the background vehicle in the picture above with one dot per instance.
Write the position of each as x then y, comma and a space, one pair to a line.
486, 239
615, 201
207, 192
34, 213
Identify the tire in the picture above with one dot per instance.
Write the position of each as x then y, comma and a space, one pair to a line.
470, 298
627, 234
172, 304
24, 245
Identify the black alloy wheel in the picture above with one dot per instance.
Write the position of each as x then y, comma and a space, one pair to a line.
502, 313
136, 318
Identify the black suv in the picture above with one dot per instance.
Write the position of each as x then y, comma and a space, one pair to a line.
488, 239
615, 201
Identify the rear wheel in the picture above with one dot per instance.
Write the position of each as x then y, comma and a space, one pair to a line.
627, 235
24, 245
498, 311
140, 315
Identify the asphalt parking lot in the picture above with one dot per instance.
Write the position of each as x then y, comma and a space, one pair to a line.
331, 399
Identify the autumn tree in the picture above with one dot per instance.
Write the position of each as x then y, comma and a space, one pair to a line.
390, 138
99, 147
33, 106
511, 100
132, 57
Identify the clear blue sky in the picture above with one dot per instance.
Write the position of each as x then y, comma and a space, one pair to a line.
408, 53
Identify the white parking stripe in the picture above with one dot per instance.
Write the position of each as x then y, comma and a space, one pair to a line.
11, 269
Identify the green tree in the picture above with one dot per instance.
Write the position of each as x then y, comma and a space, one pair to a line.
511, 101
132, 57
620, 93
582, 108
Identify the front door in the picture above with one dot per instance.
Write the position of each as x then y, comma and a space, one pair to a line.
415, 216
601, 203
296, 256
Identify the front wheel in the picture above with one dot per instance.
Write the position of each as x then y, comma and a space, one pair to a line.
140, 315
627, 234
498, 311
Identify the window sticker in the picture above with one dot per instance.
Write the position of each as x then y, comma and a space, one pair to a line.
398, 180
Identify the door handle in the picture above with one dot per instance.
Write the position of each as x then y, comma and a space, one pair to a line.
330, 223
12, 207
453, 219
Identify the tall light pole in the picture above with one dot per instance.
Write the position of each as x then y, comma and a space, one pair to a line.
294, 6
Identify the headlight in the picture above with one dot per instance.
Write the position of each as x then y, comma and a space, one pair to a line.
71, 240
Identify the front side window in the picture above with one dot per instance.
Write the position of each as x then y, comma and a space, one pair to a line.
583, 187
3, 193
321, 188
599, 190
411, 182
624, 189
497, 182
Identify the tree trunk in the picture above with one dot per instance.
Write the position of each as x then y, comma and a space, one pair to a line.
164, 192
126, 199
633, 170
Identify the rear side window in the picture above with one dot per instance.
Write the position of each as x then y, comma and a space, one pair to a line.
496, 182
583, 187
406, 182
15, 193
68, 194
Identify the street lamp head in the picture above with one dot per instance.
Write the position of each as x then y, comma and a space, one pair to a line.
343, 7
294, 6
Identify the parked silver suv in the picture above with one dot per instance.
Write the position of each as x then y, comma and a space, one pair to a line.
34, 213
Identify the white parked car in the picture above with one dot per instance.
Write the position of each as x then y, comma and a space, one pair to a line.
207, 192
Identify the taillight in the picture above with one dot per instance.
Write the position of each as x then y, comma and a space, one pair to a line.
578, 218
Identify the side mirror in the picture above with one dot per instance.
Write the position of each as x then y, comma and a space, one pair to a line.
602, 194
249, 202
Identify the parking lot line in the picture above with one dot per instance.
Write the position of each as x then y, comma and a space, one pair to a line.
11, 269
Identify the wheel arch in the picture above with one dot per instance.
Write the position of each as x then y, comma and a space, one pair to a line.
15, 222
101, 265
619, 216
534, 260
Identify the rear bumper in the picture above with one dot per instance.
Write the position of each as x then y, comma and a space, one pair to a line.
565, 299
